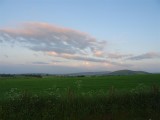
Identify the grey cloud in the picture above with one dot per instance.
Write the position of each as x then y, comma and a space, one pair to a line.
118, 56
149, 55
1, 38
38, 62
6, 56
57, 61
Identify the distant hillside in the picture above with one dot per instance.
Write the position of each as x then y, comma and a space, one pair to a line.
89, 73
102, 73
119, 72
127, 72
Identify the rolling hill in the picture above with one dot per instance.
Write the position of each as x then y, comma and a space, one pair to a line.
119, 72
127, 72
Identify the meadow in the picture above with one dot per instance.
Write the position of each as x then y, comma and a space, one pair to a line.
133, 97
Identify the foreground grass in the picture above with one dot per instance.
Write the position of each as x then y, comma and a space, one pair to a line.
80, 98
133, 106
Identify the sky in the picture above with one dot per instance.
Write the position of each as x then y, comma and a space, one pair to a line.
69, 36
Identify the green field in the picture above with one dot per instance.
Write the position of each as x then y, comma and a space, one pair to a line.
134, 97
121, 84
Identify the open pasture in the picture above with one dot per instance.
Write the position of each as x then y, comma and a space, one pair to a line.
120, 84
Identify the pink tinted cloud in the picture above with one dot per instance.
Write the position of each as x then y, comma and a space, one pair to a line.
57, 41
47, 37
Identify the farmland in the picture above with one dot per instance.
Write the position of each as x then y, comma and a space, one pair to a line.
74, 98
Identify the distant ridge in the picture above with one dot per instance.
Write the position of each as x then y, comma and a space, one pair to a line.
119, 72
127, 72
80, 74
89, 73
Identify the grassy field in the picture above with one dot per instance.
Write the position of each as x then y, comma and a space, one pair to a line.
134, 97
121, 84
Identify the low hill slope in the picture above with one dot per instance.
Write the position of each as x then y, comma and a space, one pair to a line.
127, 72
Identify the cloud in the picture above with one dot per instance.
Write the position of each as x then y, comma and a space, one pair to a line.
118, 55
57, 61
89, 59
40, 63
6, 56
149, 55
57, 41
50, 38
47, 37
